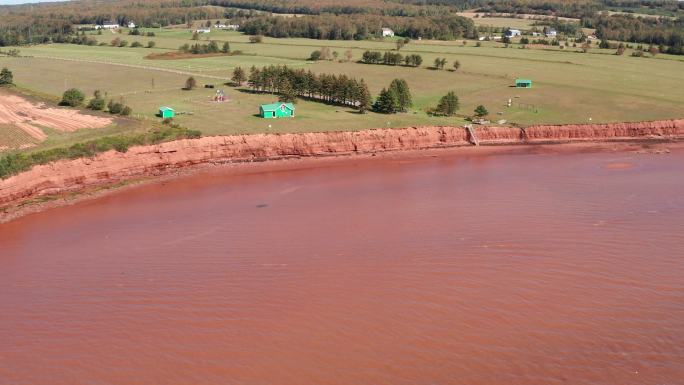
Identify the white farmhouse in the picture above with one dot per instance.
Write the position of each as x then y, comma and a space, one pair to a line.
386, 32
203, 30
131, 25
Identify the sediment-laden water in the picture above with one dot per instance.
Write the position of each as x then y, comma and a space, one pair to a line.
509, 269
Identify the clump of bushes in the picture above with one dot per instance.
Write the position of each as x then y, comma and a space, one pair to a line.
97, 103
12, 164
118, 108
117, 42
72, 97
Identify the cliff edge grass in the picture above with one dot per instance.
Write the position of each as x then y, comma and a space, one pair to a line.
15, 163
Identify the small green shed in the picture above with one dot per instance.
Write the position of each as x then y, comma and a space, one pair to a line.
523, 83
277, 110
166, 112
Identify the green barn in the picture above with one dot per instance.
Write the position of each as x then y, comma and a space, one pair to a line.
523, 83
277, 110
166, 112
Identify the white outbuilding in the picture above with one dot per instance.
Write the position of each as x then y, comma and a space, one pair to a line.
108, 25
387, 32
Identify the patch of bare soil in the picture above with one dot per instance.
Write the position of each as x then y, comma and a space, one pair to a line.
30, 117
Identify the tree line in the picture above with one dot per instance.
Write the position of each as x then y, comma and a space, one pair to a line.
391, 58
360, 27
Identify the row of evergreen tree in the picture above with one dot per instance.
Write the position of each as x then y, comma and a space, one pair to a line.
290, 83
199, 49
391, 58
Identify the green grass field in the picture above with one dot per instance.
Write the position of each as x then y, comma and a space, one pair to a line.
569, 87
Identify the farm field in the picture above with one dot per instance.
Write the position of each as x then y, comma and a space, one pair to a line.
569, 87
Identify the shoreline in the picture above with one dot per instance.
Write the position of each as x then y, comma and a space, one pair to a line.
68, 182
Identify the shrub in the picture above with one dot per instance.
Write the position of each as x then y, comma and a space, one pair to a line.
190, 84
6, 77
72, 97
126, 111
115, 107
136, 44
151, 44
256, 39
97, 103
315, 55
481, 111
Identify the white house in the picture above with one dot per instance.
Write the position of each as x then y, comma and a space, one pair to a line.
233, 27
131, 25
220, 26
550, 32
387, 32
203, 30
108, 25
513, 33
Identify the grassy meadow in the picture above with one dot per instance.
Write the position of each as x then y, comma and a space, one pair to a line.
569, 87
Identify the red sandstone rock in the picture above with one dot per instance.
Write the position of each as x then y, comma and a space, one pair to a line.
112, 166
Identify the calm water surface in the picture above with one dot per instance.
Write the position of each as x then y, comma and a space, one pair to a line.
516, 269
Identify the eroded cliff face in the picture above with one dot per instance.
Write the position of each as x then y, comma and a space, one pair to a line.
111, 167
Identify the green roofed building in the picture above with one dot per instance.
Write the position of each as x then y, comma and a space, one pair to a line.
523, 83
166, 112
277, 110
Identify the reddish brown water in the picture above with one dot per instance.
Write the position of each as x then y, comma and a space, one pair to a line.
518, 269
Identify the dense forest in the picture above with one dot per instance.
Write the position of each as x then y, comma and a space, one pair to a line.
648, 30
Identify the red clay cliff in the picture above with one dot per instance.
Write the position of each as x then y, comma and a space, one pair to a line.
110, 167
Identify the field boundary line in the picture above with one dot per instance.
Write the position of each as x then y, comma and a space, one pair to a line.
179, 72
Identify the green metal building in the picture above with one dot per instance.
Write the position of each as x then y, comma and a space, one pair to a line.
277, 110
166, 112
523, 83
